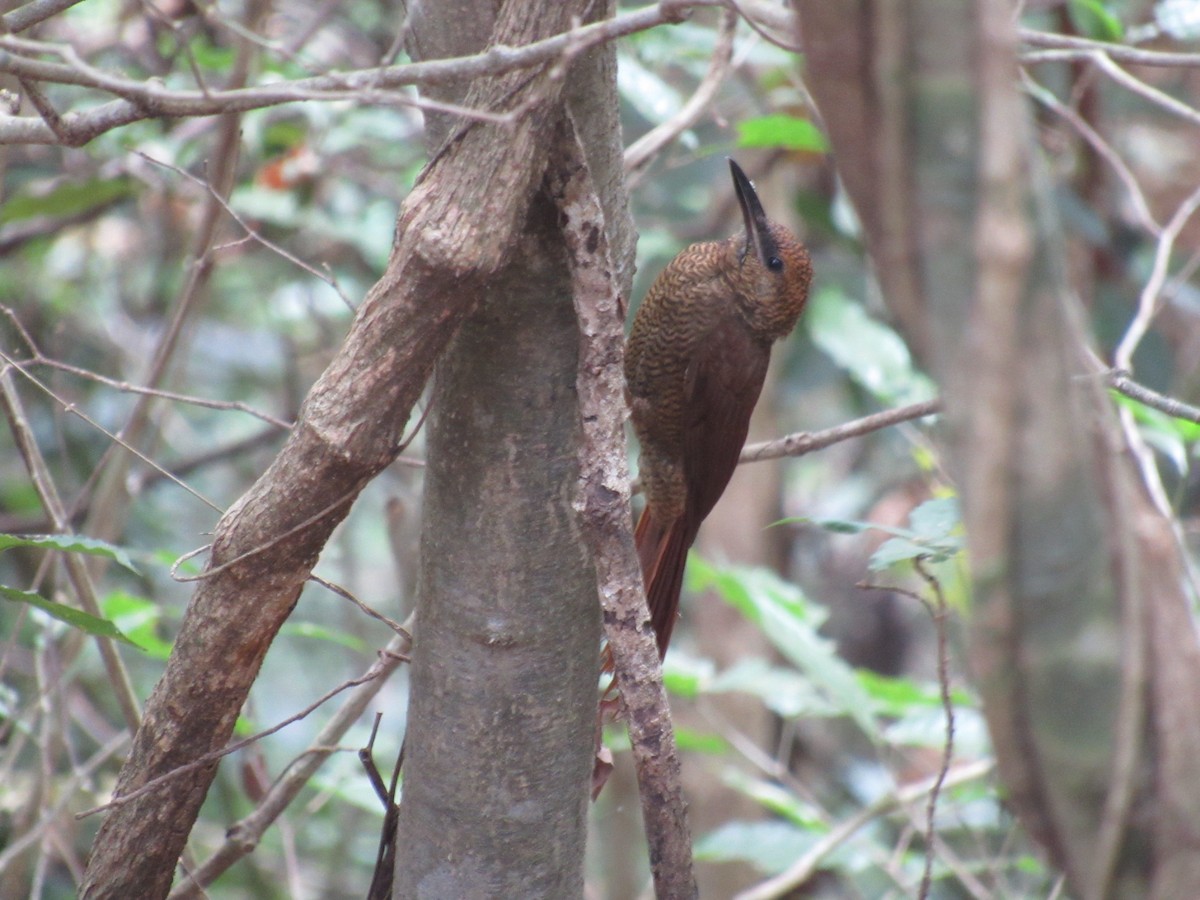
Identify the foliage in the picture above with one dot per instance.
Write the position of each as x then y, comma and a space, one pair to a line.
103, 248
852, 827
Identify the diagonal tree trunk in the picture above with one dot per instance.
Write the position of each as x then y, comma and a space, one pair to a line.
456, 231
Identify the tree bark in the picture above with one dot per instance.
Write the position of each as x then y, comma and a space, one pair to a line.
501, 725
455, 232
1075, 572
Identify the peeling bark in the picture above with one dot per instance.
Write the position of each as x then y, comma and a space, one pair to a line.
455, 231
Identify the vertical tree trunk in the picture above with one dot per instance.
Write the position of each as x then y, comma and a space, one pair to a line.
457, 231
1075, 572
502, 715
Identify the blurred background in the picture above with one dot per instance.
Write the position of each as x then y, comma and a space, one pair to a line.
141, 307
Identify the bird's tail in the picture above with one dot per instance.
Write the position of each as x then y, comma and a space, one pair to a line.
662, 553
662, 550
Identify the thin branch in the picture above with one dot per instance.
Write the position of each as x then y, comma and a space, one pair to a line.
252, 232
640, 153
1066, 48
805, 867
344, 499
1120, 382
767, 14
938, 611
243, 836
767, 22
71, 408
148, 99
803, 442
126, 387
65, 134
24, 17
603, 502
77, 571
1148, 299
1159, 98
373, 613
1140, 207
377, 669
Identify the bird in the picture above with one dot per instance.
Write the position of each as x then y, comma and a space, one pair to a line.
695, 363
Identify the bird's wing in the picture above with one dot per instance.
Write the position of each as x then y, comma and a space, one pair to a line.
723, 383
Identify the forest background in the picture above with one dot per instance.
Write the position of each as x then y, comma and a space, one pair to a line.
197, 201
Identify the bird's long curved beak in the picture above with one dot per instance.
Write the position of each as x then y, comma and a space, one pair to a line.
758, 232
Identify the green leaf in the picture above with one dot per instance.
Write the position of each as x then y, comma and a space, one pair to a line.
782, 131
138, 618
69, 543
935, 534
790, 622
777, 799
76, 618
936, 519
1093, 19
895, 550
769, 846
321, 633
870, 352
686, 675
1170, 435
837, 526
66, 199
848, 526
785, 692
701, 742
900, 696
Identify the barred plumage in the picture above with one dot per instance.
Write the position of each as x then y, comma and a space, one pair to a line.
694, 367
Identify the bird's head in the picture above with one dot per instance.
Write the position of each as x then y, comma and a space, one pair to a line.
774, 269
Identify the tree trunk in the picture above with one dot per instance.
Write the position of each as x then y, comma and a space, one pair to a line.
501, 726
1075, 572
457, 230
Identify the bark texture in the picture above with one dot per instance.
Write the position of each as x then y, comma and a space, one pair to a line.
455, 232
502, 715
1076, 574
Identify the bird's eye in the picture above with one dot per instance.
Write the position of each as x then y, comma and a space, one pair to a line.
775, 264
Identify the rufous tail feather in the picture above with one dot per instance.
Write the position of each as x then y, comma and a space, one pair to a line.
663, 554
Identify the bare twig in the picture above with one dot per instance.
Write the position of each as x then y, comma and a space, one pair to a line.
373, 613
604, 503
640, 153
377, 670
1138, 198
804, 868
243, 836
1066, 48
39, 359
142, 99
803, 442
211, 572
1120, 382
252, 232
1148, 299
938, 610
1105, 64
769, 21
71, 408
31, 14
81, 581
